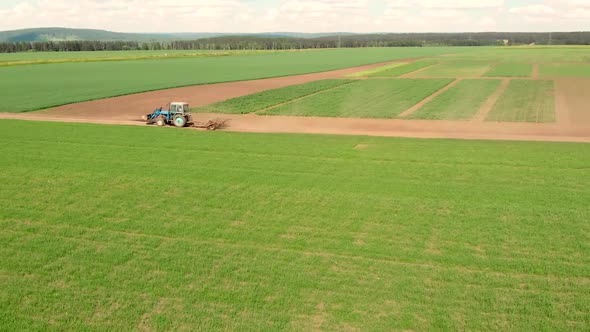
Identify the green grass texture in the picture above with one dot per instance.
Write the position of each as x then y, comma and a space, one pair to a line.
455, 69
265, 99
102, 230
564, 70
33, 87
511, 70
461, 102
372, 98
525, 54
405, 69
525, 101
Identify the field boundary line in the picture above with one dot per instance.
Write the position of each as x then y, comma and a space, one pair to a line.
489, 104
535, 73
302, 97
562, 110
428, 99
409, 75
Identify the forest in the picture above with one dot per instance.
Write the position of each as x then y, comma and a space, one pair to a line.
265, 42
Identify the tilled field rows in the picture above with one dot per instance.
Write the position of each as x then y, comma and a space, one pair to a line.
506, 100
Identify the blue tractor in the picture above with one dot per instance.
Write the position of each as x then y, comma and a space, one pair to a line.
178, 114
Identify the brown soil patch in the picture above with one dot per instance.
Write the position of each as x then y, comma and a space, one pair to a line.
572, 101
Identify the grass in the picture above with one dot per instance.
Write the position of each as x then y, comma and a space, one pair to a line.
57, 84
564, 70
405, 69
231, 231
266, 99
525, 101
455, 69
363, 99
525, 54
29, 58
370, 72
511, 70
461, 102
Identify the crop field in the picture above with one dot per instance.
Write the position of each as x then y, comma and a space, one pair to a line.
511, 70
471, 100
377, 70
238, 231
50, 85
525, 101
363, 99
461, 102
455, 69
526, 54
402, 70
565, 70
268, 98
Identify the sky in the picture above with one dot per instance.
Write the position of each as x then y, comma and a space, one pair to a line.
248, 16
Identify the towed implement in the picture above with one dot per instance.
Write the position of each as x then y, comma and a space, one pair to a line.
179, 115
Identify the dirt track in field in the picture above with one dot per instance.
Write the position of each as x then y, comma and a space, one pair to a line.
572, 110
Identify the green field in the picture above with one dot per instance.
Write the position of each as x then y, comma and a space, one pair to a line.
364, 99
525, 101
455, 69
25, 58
377, 70
511, 70
402, 70
232, 231
525, 54
268, 98
461, 102
57, 84
564, 70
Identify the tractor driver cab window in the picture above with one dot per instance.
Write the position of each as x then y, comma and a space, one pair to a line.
173, 108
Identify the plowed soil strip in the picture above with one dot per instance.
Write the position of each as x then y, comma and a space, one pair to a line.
572, 100
428, 99
489, 104
551, 132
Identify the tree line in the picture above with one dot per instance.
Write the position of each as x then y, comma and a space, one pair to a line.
254, 42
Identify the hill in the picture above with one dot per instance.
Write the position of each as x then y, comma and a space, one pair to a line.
65, 34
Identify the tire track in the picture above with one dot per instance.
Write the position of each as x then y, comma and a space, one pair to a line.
487, 107
429, 98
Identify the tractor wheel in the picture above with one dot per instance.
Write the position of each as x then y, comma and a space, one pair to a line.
161, 121
180, 121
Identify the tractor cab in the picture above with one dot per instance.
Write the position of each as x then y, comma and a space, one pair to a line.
179, 108
178, 114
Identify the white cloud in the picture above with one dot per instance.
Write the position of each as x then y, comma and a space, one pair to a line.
460, 4
299, 15
556, 12
537, 10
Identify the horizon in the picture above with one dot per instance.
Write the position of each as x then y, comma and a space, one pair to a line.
300, 16
291, 32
